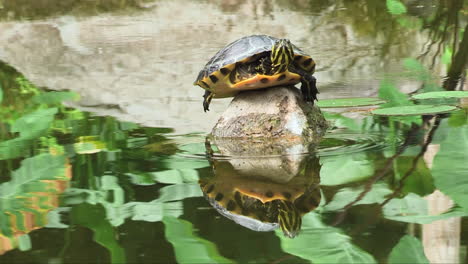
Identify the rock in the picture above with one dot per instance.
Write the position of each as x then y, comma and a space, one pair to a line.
276, 113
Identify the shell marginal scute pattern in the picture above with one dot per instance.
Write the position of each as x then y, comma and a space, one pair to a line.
239, 50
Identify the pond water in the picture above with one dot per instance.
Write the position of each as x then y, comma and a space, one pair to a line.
104, 156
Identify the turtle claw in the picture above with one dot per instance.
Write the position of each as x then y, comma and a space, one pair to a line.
207, 100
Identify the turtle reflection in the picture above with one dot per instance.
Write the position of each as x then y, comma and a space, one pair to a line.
264, 192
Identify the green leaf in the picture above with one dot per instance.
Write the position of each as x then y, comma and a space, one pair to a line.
458, 118
15, 148
94, 218
54, 97
341, 121
450, 165
414, 110
34, 124
412, 205
349, 102
176, 176
447, 56
343, 169
331, 244
420, 180
419, 72
1, 93
41, 167
441, 94
31, 193
346, 195
408, 250
395, 7
392, 95
188, 247
413, 209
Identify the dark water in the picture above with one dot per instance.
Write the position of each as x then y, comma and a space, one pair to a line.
103, 150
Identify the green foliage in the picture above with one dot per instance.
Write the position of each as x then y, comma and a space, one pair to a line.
34, 124
414, 209
392, 95
349, 102
32, 170
32, 191
1, 93
450, 165
419, 72
442, 94
94, 218
26, 87
411, 205
396, 7
188, 247
419, 181
344, 196
323, 244
408, 250
414, 110
341, 121
15, 148
337, 170
458, 118
52, 98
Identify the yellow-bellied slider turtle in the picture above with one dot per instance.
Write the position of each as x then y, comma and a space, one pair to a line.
261, 204
256, 62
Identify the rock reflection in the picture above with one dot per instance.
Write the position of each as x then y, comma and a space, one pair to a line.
262, 185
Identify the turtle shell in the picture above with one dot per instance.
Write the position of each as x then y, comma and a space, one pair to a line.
214, 76
252, 202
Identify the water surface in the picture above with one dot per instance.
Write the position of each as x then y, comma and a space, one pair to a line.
103, 149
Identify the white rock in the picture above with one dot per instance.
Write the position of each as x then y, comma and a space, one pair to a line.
278, 113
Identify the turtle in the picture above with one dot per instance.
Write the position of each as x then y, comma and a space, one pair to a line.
257, 62
261, 204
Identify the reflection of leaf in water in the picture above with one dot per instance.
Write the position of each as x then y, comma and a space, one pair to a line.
30, 194
414, 110
349, 102
442, 94
117, 212
184, 163
323, 244
343, 169
15, 148
54, 97
176, 176
346, 195
395, 7
450, 165
458, 118
414, 209
89, 145
1, 93
94, 218
419, 72
394, 97
34, 124
341, 121
410, 205
188, 247
420, 180
408, 250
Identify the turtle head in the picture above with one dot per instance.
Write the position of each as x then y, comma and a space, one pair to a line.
282, 54
289, 219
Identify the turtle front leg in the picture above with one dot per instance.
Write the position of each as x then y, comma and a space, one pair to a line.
309, 88
207, 100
